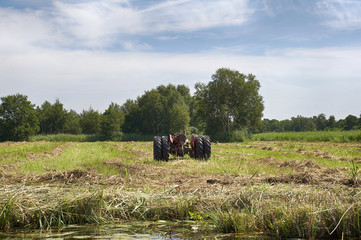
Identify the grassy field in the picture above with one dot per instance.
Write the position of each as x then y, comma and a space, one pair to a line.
285, 189
315, 136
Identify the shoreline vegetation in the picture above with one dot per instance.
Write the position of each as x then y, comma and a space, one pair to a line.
300, 188
282, 211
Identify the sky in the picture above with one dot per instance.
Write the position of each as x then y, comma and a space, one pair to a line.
88, 53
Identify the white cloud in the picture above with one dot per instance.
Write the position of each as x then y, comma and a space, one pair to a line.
295, 81
195, 15
100, 24
96, 23
341, 14
21, 29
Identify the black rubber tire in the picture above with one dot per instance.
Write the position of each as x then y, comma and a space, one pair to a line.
199, 148
165, 148
157, 148
206, 147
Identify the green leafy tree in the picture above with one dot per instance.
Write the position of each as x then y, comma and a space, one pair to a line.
231, 101
90, 121
302, 124
179, 118
131, 118
111, 121
52, 117
72, 123
272, 125
151, 112
18, 118
331, 122
351, 122
320, 121
185, 93
163, 110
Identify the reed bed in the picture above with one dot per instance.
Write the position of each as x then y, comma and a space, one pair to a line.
282, 211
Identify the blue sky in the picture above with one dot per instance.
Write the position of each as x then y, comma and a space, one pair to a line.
86, 53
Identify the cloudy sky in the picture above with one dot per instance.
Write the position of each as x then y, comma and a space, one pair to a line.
89, 53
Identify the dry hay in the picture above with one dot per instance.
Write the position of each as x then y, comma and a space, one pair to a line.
83, 177
53, 153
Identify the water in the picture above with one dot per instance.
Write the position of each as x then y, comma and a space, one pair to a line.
133, 230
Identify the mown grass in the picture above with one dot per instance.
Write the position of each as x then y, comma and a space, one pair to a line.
13, 152
316, 136
228, 158
280, 210
77, 156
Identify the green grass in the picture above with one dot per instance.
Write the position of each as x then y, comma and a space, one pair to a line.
89, 138
229, 158
287, 211
320, 136
10, 153
63, 138
152, 190
79, 156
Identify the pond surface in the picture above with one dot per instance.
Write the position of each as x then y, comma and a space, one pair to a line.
133, 230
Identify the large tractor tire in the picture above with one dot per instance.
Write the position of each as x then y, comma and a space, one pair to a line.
157, 148
199, 148
206, 147
165, 148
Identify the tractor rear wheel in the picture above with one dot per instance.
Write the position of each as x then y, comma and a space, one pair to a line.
165, 148
206, 147
199, 147
157, 148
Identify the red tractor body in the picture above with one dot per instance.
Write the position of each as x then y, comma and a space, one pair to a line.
199, 147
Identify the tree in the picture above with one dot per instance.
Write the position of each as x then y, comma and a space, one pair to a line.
351, 122
151, 112
52, 117
302, 124
272, 125
131, 118
90, 121
18, 118
161, 111
331, 122
320, 121
179, 118
111, 121
72, 123
231, 101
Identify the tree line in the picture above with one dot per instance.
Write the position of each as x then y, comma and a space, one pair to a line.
315, 123
230, 102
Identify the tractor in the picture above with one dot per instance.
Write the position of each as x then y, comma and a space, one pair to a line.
199, 147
